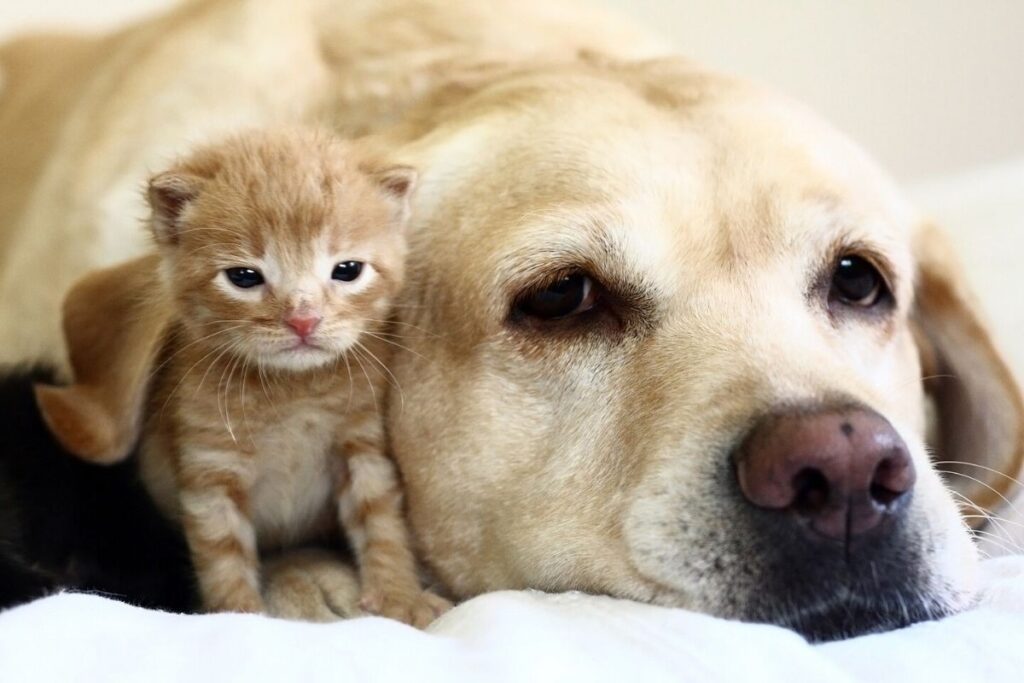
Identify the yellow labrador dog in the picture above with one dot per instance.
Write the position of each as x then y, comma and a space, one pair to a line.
667, 336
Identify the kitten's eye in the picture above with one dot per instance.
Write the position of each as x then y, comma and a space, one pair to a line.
855, 282
347, 271
569, 295
244, 277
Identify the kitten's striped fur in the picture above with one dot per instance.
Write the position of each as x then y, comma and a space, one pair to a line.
258, 438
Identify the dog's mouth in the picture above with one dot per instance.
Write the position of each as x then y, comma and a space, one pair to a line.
848, 614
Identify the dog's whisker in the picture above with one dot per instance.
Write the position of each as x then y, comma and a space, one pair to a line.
992, 470
1005, 538
1009, 546
995, 519
1006, 500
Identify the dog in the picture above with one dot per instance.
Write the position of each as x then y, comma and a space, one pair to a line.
667, 336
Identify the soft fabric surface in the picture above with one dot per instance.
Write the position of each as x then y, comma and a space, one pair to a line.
504, 637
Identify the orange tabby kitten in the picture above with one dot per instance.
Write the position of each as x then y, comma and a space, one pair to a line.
281, 253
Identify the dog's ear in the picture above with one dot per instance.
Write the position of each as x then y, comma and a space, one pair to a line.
115, 323
978, 410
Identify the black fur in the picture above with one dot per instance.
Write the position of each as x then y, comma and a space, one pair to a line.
65, 524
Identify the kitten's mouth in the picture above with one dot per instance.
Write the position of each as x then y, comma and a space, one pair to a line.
304, 345
301, 355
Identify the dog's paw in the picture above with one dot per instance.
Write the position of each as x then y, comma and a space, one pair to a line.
416, 609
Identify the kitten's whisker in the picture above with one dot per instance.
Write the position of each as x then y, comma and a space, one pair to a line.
227, 400
401, 394
929, 377
348, 369
174, 355
192, 367
395, 344
263, 385
389, 335
227, 397
225, 348
369, 382
241, 398
402, 323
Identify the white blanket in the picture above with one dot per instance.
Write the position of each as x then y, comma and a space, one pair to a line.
504, 637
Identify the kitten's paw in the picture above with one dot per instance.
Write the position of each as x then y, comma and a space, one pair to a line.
311, 585
418, 610
241, 603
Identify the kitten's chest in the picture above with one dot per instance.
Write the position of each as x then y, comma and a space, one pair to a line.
292, 496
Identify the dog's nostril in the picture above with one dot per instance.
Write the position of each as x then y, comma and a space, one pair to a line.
811, 491
893, 477
883, 496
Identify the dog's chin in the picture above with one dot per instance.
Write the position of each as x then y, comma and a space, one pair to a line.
848, 616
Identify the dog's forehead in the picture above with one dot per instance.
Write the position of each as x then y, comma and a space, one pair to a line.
741, 175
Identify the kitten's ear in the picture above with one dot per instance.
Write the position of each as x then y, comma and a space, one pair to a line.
397, 184
169, 193
115, 323
979, 411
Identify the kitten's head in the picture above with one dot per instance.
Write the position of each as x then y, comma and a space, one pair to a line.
282, 247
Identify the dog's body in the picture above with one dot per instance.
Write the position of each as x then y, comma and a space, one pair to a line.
600, 449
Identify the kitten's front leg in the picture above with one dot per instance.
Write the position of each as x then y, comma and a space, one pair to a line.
370, 508
214, 490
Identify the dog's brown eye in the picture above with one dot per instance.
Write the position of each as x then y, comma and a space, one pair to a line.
568, 295
855, 282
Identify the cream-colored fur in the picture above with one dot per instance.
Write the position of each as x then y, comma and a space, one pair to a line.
595, 462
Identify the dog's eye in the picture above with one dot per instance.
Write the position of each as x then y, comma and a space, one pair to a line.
855, 282
244, 278
569, 295
347, 271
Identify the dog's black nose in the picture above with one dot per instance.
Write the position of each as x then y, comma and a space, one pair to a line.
840, 472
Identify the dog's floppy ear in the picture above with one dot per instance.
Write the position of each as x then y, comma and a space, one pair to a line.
979, 411
115, 323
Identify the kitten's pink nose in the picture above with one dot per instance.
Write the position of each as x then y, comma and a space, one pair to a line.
302, 323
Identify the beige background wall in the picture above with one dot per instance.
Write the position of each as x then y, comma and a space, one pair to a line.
929, 86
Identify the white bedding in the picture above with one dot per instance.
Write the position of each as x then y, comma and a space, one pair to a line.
504, 637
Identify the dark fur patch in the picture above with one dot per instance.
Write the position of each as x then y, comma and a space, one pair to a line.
66, 524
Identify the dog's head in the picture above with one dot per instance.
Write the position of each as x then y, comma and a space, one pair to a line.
664, 339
